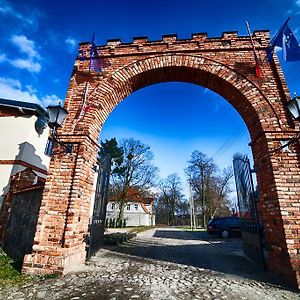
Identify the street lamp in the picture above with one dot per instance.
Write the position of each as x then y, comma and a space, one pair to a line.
56, 116
294, 107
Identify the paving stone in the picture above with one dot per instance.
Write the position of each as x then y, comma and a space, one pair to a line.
143, 277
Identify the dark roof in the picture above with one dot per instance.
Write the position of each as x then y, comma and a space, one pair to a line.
26, 106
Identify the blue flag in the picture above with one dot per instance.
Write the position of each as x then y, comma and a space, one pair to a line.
286, 40
290, 46
95, 60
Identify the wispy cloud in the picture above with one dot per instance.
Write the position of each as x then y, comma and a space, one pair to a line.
28, 47
25, 46
2, 58
51, 100
297, 3
71, 42
26, 64
11, 82
12, 89
7, 9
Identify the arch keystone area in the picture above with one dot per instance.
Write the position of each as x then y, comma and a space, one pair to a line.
225, 65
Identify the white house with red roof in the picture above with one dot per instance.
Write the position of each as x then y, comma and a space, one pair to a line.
137, 212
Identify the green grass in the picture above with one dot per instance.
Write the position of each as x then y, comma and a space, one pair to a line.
139, 229
113, 239
10, 272
187, 228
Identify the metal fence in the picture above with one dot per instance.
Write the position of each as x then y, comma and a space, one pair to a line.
247, 201
97, 222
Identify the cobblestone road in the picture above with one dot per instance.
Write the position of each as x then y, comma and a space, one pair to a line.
165, 263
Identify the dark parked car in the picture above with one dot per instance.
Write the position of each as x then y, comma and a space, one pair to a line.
224, 227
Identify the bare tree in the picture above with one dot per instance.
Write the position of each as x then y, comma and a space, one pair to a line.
209, 187
200, 172
170, 200
135, 175
219, 201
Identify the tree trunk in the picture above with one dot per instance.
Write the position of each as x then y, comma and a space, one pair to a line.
121, 210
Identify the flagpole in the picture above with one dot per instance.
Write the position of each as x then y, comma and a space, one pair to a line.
258, 70
85, 92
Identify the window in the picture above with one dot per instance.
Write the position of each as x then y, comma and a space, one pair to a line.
49, 147
128, 206
218, 221
136, 206
113, 206
231, 221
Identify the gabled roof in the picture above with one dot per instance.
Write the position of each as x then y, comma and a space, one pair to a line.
34, 108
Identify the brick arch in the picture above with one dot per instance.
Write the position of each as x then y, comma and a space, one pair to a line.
224, 65
243, 94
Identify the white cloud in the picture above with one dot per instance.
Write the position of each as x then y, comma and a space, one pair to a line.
71, 44
8, 10
28, 47
51, 100
297, 3
25, 46
12, 89
10, 81
70, 41
2, 58
26, 64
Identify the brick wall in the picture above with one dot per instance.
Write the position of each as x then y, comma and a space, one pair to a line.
24, 180
225, 65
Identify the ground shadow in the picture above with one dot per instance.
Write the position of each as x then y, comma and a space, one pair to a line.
201, 255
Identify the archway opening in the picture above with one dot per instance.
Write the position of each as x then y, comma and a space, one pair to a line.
175, 119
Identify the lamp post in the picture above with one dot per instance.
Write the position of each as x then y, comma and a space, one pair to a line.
56, 116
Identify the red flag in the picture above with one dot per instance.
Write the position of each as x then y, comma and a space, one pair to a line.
258, 69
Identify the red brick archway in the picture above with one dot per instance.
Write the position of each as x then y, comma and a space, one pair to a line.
224, 65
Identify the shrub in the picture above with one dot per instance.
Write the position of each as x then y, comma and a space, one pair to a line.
114, 239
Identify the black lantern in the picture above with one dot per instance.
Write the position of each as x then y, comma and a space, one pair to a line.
294, 107
56, 114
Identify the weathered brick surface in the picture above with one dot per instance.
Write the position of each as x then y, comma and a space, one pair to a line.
22, 181
224, 65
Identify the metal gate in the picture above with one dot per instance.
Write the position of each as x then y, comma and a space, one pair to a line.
247, 201
97, 221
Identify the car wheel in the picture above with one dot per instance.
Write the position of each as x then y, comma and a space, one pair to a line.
225, 234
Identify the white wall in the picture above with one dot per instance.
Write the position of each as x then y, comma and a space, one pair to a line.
15, 131
20, 141
133, 217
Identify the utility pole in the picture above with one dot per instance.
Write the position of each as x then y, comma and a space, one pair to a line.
193, 219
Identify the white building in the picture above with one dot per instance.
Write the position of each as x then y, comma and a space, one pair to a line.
136, 213
23, 141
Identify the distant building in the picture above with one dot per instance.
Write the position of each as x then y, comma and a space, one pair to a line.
24, 137
137, 212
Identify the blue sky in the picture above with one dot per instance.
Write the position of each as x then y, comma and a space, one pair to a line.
38, 44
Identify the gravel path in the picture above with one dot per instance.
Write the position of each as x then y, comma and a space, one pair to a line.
165, 263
